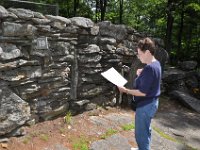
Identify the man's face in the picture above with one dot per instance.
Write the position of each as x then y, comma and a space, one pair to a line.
142, 55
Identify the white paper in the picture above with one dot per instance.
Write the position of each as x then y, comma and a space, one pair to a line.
115, 77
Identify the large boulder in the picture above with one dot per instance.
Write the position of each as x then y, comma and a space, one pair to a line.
187, 100
14, 112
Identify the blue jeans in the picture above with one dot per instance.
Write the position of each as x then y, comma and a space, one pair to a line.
143, 118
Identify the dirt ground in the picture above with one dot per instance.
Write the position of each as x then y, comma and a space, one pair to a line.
41, 135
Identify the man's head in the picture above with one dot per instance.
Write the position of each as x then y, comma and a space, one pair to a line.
145, 49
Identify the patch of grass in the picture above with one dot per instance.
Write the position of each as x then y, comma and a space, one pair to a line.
190, 148
26, 139
34, 134
68, 118
162, 134
128, 127
80, 144
44, 137
108, 133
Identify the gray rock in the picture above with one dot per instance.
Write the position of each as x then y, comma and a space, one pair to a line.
86, 58
82, 22
159, 143
60, 48
94, 30
38, 15
172, 75
72, 29
17, 132
120, 119
3, 12
100, 121
55, 112
56, 147
192, 82
41, 21
187, 100
43, 28
17, 63
171, 123
89, 91
177, 85
92, 48
188, 65
59, 18
58, 25
91, 106
15, 29
106, 28
15, 111
115, 142
4, 140
162, 56
91, 70
11, 16
22, 13
107, 41
24, 72
9, 51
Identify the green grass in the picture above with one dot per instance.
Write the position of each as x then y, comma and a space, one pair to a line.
68, 118
27, 139
44, 137
162, 134
128, 127
108, 133
80, 144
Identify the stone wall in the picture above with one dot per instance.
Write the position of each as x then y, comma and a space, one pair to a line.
40, 81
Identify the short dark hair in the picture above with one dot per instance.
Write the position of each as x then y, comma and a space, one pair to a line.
146, 44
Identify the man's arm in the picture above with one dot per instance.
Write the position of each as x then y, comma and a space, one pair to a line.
133, 92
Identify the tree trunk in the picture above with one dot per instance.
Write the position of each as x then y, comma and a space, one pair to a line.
76, 4
170, 19
97, 11
103, 5
121, 12
180, 32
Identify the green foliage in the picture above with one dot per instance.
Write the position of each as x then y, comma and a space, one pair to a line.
68, 118
194, 6
26, 139
128, 127
162, 134
108, 133
44, 137
80, 144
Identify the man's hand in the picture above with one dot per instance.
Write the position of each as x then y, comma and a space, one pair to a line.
138, 72
122, 89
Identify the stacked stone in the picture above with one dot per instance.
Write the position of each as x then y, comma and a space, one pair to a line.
37, 81
102, 47
46, 82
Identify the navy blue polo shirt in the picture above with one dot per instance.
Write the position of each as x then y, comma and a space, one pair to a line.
148, 82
